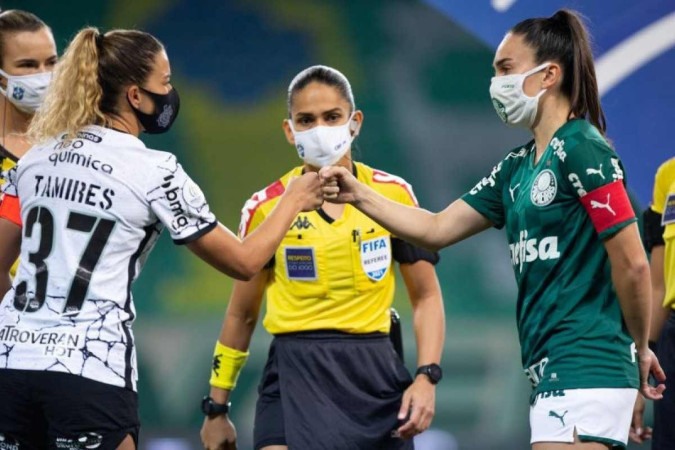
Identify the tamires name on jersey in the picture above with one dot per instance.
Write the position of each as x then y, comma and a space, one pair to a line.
74, 190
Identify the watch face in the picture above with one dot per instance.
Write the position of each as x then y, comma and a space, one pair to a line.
432, 371
435, 372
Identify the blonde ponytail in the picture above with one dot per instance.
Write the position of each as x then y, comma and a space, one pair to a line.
73, 99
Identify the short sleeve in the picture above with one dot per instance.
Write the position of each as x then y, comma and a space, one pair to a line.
180, 205
596, 176
486, 196
251, 217
591, 165
252, 214
652, 230
404, 252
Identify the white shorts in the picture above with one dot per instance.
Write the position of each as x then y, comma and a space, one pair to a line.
599, 415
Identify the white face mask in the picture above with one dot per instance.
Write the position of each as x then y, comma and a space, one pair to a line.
513, 106
26, 92
322, 145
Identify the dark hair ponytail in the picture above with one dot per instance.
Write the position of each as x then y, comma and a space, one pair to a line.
563, 38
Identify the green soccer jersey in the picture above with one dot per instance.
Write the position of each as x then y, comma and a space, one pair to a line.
571, 330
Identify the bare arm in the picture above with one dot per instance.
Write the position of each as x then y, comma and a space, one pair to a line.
10, 245
425, 296
630, 275
659, 313
429, 230
243, 259
240, 319
429, 322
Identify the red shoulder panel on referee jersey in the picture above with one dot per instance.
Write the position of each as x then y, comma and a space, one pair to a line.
384, 177
10, 209
270, 192
608, 205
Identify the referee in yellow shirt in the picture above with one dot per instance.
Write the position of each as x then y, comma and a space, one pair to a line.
659, 234
332, 379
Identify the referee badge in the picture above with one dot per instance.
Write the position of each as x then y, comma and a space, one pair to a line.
376, 257
300, 263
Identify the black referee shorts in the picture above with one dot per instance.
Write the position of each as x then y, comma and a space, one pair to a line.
331, 391
664, 409
52, 410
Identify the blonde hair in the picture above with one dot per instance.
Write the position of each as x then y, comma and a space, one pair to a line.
90, 78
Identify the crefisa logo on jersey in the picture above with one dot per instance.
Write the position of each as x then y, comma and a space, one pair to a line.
376, 257
529, 250
487, 181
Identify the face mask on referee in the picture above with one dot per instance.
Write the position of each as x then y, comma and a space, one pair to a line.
323, 145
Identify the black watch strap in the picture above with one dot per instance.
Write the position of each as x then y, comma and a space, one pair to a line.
211, 408
433, 372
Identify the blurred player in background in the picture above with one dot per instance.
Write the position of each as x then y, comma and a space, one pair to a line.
27, 59
93, 200
659, 238
583, 278
332, 379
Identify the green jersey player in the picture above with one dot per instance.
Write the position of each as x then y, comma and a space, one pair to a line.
583, 277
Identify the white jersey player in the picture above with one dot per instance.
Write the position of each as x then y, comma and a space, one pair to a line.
83, 208
92, 208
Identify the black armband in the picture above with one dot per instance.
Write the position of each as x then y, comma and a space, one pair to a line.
653, 230
406, 253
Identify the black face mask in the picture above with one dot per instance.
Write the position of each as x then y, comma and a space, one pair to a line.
166, 111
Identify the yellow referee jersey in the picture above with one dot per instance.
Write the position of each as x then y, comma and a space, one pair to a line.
7, 161
330, 274
663, 203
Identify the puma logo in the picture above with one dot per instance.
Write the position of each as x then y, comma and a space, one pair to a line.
558, 416
512, 190
597, 171
597, 205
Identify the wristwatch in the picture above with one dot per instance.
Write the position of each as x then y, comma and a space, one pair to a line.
432, 371
211, 408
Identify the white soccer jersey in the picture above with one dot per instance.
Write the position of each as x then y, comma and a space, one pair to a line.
92, 209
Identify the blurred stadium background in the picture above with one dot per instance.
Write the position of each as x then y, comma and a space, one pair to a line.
420, 72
